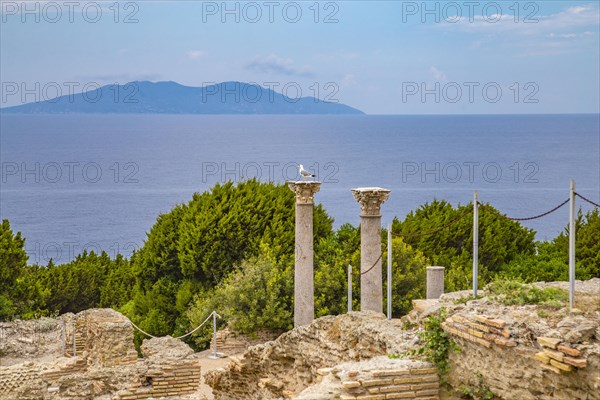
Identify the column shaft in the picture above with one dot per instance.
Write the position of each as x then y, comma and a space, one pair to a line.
371, 282
304, 303
371, 279
304, 290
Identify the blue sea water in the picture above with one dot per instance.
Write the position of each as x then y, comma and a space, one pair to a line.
98, 182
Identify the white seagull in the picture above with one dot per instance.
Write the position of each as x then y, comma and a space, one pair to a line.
304, 173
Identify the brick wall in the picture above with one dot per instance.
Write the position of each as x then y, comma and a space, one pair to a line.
401, 383
175, 380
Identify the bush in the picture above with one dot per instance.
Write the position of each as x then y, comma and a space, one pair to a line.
257, 296
512, 292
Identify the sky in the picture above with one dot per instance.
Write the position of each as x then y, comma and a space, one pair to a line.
382, 57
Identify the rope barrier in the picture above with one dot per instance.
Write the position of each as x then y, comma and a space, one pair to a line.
486, 207
435, 230
178, 337
588, 200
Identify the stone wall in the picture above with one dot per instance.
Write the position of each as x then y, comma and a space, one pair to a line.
523, 352
290, 363
229, 342
106, 366
380, 378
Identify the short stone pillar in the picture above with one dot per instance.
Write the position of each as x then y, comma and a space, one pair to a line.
304, 288
371, 285
435, 282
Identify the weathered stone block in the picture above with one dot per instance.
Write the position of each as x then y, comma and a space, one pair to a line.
496, 323
551, 343
424, 386
542, 357
394, 388
377, 382
420, 371
406, 395
350, 384
569, 350
400, 381
391, 372
577, 362
556, 355
428, 392
561, 366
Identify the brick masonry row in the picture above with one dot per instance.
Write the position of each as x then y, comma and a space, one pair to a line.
559, 357
165, 382
480, 329
409, 383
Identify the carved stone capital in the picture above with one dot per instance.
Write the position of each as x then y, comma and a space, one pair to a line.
370, 200
304, 190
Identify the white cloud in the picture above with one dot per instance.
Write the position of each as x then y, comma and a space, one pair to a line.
437, 74
196, 54
348, 80
566, 31
274, 64
527, 23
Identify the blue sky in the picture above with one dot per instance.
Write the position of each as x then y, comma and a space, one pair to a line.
385, 57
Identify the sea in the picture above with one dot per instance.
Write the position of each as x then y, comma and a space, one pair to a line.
98, 182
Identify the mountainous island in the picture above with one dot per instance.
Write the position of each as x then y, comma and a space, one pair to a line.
143, 97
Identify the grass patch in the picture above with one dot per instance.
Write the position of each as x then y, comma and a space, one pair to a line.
511, 292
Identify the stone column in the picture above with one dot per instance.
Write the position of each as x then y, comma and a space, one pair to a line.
304, 301
371, 285
435, 282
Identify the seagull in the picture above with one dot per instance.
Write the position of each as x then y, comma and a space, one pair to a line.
304, 173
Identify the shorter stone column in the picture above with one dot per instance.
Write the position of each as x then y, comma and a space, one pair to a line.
304, 287
435, 282
371, 285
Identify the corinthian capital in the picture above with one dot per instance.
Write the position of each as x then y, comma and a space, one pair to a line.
370, 200
304, 190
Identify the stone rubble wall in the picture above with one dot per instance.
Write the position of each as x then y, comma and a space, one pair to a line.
379, 378
516, 354
229, 342
176, 380
289, 364
106, 366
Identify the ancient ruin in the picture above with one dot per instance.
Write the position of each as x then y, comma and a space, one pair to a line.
371, 282
304, 288
514, 352
98, 361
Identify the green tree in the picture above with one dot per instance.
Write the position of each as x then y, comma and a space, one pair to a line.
500, 240
204, 241
77, 285
587, 244
409, 271
333, 254
13, 260
257, 296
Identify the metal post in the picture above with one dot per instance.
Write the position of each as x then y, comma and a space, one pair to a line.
389, 273
215, 334
74, 338
63, 338
349, 288
475, 243
572, 247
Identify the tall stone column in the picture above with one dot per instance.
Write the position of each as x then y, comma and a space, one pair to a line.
371, 285
304, 301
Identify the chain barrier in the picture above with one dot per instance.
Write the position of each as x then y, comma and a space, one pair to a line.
588, 200
487, 207
374, 264
417, 235
178, 337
